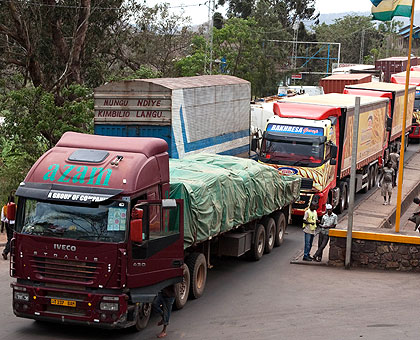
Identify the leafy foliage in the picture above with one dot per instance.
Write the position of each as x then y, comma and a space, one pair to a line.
34, 122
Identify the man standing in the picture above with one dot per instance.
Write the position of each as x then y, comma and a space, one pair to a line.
10, 225
394, 158
328, 221
309, 226
163, 305
385, 182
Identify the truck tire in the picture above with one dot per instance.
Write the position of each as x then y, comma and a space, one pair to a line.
197, 266
375, 175
182, 289
371, 177
143, 316
270, 234
342, 203
280, 228
257, 249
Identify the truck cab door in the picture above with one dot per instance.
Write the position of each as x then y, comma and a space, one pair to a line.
156, 244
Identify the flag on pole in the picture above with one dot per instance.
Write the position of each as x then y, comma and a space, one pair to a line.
385, 10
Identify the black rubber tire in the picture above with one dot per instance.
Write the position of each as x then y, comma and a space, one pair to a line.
182, 289
143, 316
375, 176
258, 245
281, 225
197, 266
343, 198
270, 234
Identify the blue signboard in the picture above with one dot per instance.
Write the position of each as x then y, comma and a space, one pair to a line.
296, 129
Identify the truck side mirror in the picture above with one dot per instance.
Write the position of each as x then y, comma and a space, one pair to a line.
334, 151
136, 225
388, 124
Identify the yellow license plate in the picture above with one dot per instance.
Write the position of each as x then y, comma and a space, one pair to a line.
67, 303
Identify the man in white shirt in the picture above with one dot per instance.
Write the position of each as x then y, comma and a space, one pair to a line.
328, 221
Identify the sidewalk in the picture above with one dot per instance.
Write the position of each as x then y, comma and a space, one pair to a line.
372, 215
3, 238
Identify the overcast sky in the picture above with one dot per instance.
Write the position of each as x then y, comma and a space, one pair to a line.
198, 11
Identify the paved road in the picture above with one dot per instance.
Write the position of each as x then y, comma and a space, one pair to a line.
269, 299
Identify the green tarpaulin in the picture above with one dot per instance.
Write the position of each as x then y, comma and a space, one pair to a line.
222, 192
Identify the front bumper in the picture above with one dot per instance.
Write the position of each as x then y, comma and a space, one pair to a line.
85, 311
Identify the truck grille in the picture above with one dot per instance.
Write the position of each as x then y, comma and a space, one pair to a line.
65, 270
306, 183
302, 202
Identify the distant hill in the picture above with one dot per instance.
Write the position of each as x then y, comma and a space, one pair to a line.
329, 18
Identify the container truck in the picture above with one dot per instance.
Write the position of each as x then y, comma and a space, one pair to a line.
392, 65
395, 92
399, 78
336, 82
192, 114
311, 138
104, 223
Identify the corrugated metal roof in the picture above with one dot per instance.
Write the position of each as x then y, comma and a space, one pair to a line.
197, 81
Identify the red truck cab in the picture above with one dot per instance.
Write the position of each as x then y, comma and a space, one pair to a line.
96, 235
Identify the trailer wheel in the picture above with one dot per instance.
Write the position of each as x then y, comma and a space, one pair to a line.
182, 289
371, 177
257, 249
280, 228
143, 316
343, 198
197, 266
375, 175
270, 233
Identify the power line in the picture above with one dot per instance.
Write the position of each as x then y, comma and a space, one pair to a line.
30, 3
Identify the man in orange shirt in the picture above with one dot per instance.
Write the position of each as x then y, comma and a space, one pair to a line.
10, 224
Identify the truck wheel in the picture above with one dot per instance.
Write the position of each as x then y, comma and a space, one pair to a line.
343, 198
143, 316
375, 175
371, 177
182, 289
197, 266
280, 228
257, 249
270, 232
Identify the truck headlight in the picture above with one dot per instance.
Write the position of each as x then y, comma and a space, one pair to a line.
110, 306
21, 296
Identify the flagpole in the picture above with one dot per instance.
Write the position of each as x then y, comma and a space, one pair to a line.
401, 164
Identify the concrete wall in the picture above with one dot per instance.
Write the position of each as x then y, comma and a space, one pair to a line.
375, 254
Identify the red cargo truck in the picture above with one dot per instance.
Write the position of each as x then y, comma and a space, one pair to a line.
97, 235
336, 82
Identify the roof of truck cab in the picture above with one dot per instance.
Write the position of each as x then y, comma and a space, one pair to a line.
336, 100
367, 92
97, 162
145, 146
399, 78
306, 111
379, 86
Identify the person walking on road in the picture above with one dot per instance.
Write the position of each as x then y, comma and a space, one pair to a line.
163, 306
309, 226
394, 158
10, 225
3, 218
385, 182
328, 221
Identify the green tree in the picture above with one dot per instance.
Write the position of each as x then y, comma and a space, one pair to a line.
34, 122
350, 31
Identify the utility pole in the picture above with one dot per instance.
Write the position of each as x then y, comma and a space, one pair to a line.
362, 47
212, 6
295, 38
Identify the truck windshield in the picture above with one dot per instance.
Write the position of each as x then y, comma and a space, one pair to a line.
292, 153
105, 223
